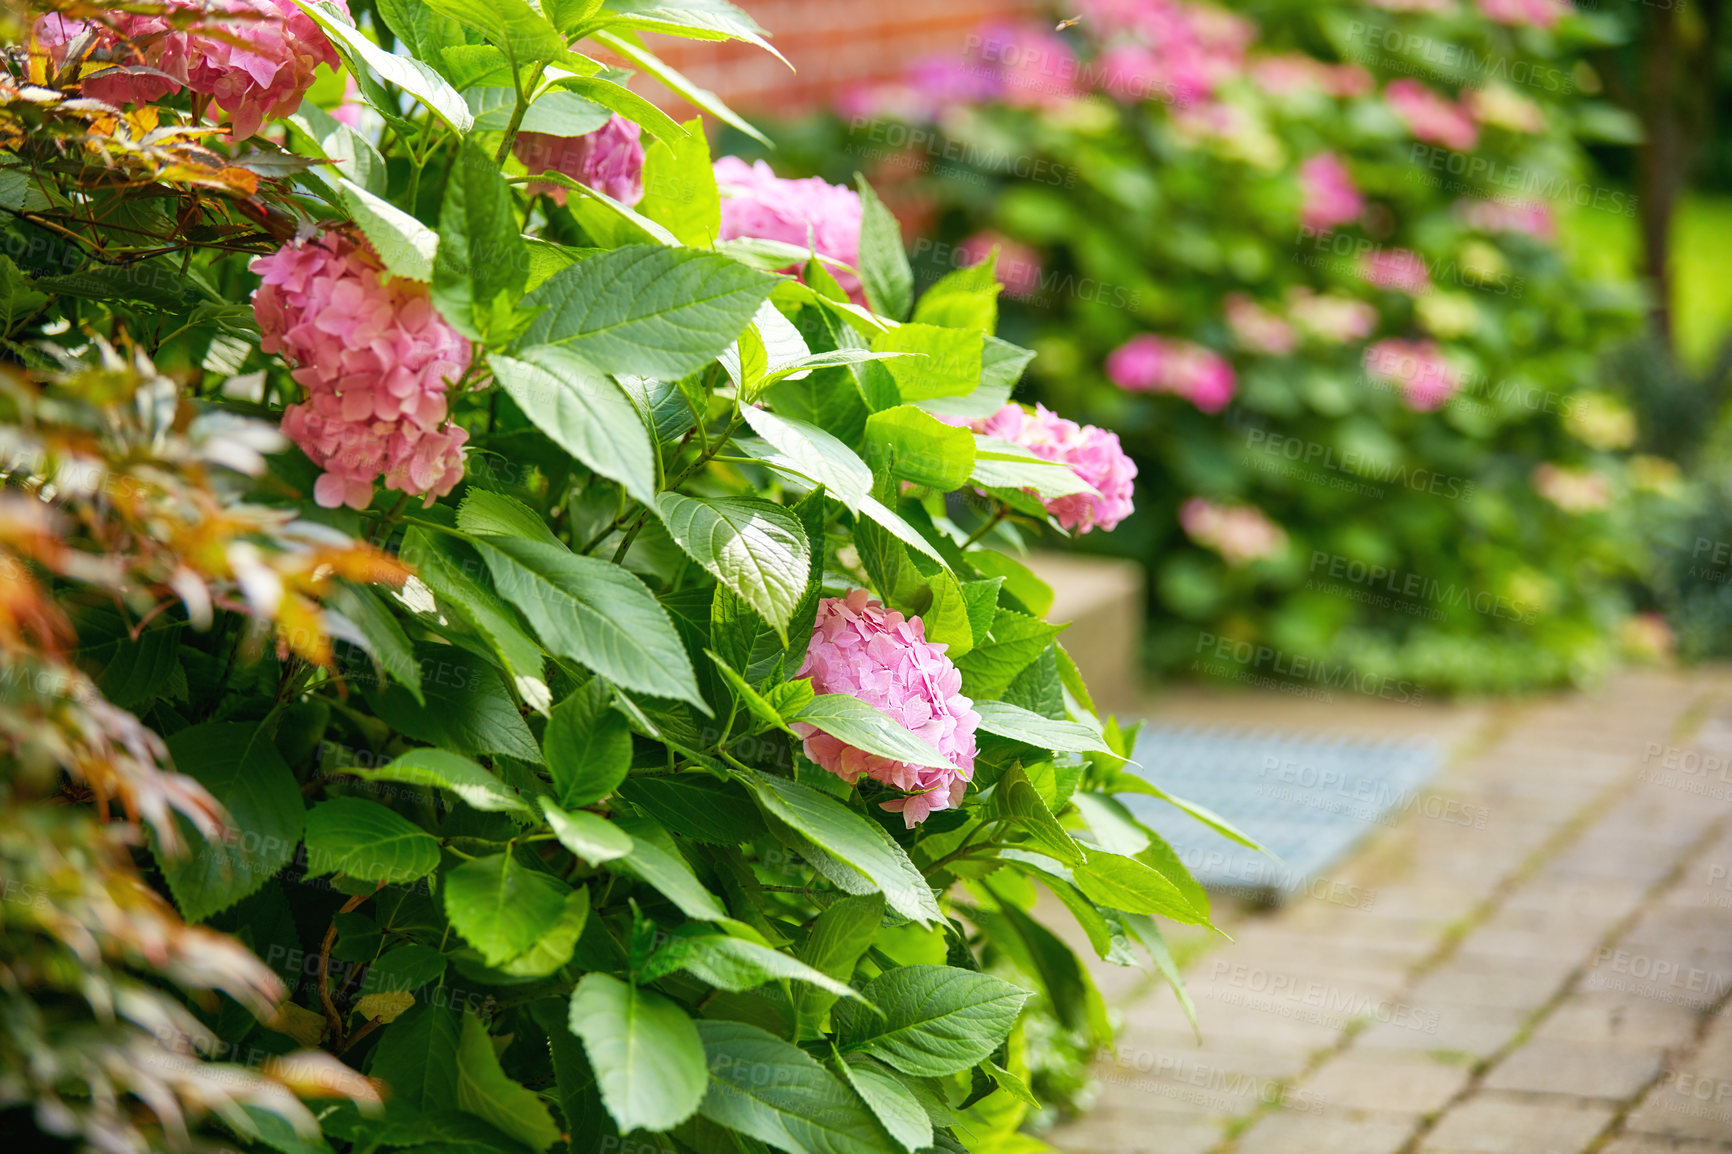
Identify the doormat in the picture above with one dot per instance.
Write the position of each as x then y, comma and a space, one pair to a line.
1308, 800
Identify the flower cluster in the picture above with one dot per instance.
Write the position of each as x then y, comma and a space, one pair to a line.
1397, 270
253, 58
866, 651
1330, 197
1334, 319
1259, 329
1151, 364
1534, 13
1018, 268
1241, 534
609, 160
1418, 369
1290, 73
1092, 454
759, 204
1526, 217
1164, 50
376, 360
1431, 117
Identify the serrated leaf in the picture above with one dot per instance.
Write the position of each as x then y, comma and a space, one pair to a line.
467, 707
365, 840
777, 1093
417, 1057
594, 839
667, 872
522, 31
481, 264
937, 1020
1015, 641
1126, 884
412, 76
381, 636
864, 726
484, 1090
1006, 720
735, 964
679, 187
915, 446
583, 412
502, 908
884, 270
756, 549
442, 769
893, 1103
647, 310
936, 362
240, 766
555, 947
407, 246
1015, 800
678, 83
646, 1053
840, 937
497, 515
587, 746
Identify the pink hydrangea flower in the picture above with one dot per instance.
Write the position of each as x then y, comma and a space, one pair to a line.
1018, 268
1418, 369
1528, 217
1431, 117
1031, 66
1290, 73
1432, 6
253, 58
1330, 195
376, 360
1163, 50
1092, 454
1257, 328
1532, 13
758, 203
1336, 319
1151, 364
875, 654
1241, 534
609, 160
1397, 270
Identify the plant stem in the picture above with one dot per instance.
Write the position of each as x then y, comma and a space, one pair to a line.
974, 537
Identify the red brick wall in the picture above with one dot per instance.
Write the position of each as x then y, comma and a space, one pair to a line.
832, 44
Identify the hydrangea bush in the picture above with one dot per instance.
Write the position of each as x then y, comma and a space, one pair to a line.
1304, 259
498, 645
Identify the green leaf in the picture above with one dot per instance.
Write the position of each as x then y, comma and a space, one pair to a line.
1012, 1085
679, 187
17, 299
893, 1103
1019, 581
647, 310
1131, 783
938, 362
412, 76
356, 161
458, 578
914, 446
668, 873
691, 19
1015, 800
756, 549
754, 701
442, 769
522, 31
587, 746
999, 464
379, 634
417, 1055
407, 246
735, 964
884, 270
467, 708
364, 840
1124, 883
965, 298
418, 28
501, 907
560, 112
1038, 951
484, 1090
854, 722
627, 103
982, 600
946, 619
583, 412
937, 1020
595, 613
482, 263
645, 1051
840, 937
1093, 925
850, 838
822, 458
555, 947
404, 969
1006, 720
678, 83
777, 1093
497, 515
594, 839
1016, 640
240, 766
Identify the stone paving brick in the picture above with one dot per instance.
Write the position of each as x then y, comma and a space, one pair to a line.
1324, 1134
1384, 1083
1598, 1071
1674, 1109
1492, 1124
1445, 1028
1605, 1018
1648, 1144
1105, 1132
1523, 986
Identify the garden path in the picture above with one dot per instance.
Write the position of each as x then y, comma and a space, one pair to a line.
1543, 967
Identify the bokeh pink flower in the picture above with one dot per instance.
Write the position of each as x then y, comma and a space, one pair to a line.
1257, 328
1430, 117
1093, 454
861, 649
1330, 196
1531, 13
1397, 270
609, 160
1417, 369
253, 58
1151, 364
376, 360
1018, 268
1241, 534
1335, 319
1524, 217
757, 203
